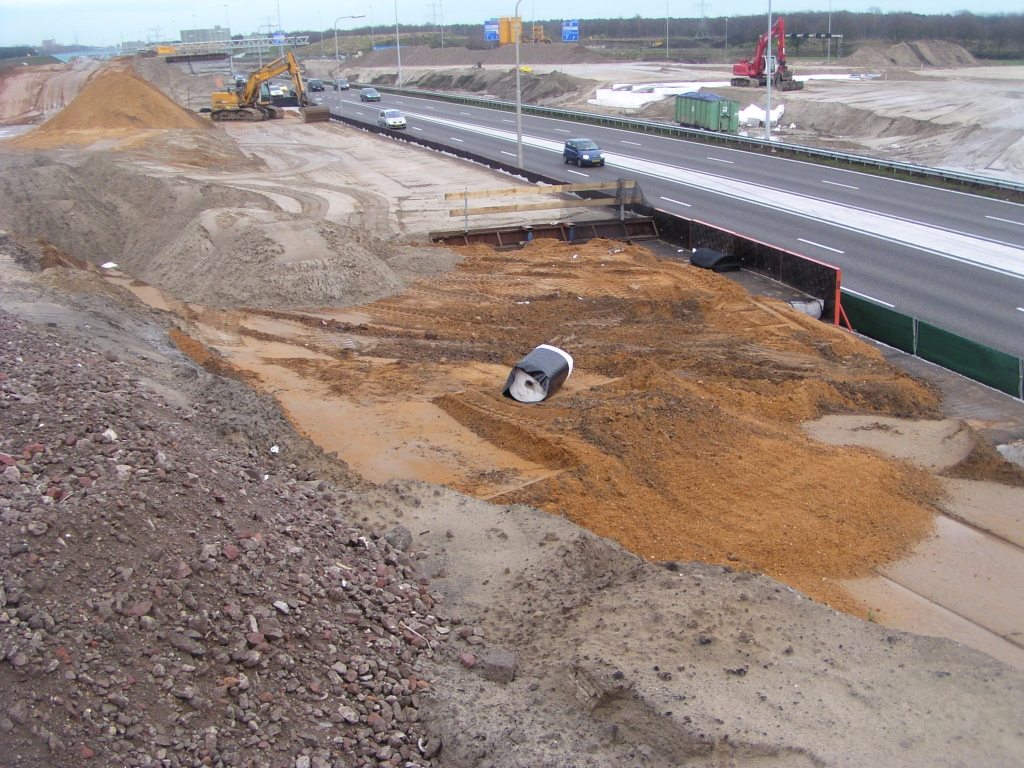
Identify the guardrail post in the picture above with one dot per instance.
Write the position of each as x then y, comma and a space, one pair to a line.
465, 207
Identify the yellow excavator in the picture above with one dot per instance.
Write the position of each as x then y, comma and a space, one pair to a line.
252, 102
538, 35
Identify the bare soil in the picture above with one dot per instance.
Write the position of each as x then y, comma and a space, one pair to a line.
645, 543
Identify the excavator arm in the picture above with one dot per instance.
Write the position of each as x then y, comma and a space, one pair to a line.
287, 63
765, 64
248, 106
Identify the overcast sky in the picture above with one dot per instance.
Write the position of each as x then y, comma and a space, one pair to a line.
99, 23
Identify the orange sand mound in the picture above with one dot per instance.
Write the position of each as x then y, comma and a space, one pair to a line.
114, 105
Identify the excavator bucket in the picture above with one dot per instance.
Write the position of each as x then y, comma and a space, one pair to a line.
315, 114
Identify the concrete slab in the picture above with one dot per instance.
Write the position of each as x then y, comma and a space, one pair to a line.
933, 445
995, 509
895, 606
969, 573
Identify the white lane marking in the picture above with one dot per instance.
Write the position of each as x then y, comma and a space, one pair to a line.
466, 114
580, 174
837, 184
677, 202
416, 129
1006, 221
399, 102
454, 139
507, 121
976, 251
561, 130
510, 154
429, 107
869, 298
634, 143
1020, 309
359, 113
819, 245
720, 160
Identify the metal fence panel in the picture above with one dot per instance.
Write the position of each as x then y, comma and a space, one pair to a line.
877, 322
975, 361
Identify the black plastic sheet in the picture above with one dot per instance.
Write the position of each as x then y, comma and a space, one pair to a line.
539, 375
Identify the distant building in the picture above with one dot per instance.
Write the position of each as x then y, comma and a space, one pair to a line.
50, 46
218, 34
129, 47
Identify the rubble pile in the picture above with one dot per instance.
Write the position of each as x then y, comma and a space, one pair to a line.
170, 600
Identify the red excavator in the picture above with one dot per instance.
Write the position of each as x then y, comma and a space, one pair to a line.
749, 72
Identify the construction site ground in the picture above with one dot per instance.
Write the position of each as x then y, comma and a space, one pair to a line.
645, 541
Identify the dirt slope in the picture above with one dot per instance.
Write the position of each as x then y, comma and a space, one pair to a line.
31, 94
208, 601
684, 446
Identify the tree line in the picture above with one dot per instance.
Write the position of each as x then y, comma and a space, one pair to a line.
994, 35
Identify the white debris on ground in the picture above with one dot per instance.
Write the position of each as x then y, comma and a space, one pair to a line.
638, 95
753, 115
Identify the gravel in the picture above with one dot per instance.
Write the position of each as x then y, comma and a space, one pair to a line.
169, 600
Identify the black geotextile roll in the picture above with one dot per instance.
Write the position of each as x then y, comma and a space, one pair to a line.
538, 375
716, 261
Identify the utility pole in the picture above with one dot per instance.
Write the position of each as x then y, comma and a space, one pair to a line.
666, 30
829, 31
702, 25
279, 29
517, 28
398, 46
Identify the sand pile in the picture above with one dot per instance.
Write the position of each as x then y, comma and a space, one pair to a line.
683, 445
230, 258
536, 88
913, 55
113, 105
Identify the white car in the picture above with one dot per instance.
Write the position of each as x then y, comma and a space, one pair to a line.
278, 90
391, 118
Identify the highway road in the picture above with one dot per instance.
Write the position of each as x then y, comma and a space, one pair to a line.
950, 258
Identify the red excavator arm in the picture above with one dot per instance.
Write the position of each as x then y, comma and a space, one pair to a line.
756, 71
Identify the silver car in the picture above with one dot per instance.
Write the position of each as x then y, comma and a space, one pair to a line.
391, 118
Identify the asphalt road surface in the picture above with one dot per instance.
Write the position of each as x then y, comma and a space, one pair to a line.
953, 259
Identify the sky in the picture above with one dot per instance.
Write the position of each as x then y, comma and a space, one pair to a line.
108, 22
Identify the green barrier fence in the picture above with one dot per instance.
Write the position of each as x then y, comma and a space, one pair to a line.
969, 358
975, 361
882, 323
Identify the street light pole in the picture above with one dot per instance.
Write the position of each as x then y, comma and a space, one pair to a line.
336, 34
829, 31
398, 46
519, 90
666, 30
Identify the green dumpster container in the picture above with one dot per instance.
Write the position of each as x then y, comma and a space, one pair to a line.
708, 111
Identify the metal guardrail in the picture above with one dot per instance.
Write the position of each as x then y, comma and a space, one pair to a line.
756, 145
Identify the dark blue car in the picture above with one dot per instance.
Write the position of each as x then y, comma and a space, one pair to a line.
582, 152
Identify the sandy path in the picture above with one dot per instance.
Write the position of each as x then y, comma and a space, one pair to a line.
40, 92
